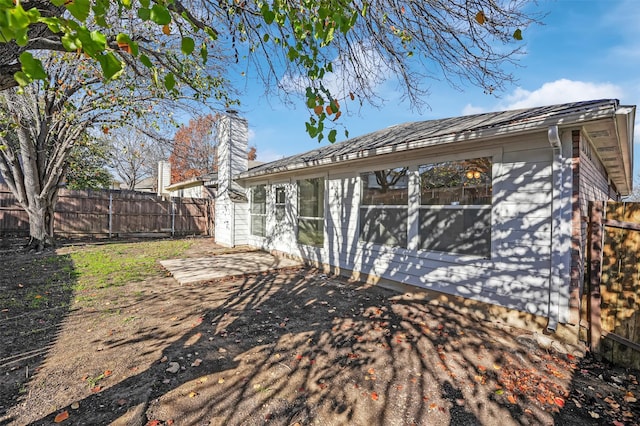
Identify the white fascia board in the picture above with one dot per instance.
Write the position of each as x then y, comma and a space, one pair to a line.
625, 118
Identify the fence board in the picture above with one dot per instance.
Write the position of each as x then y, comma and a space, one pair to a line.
85, 213
620, 283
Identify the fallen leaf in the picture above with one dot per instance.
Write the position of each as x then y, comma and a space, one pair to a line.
96, 389
107, 373
374, 396
559, 401
193, 394
594, 414
75, 405
371, 371
61, 417
433, 406
153, 423
629, 397
221, 380
512, 399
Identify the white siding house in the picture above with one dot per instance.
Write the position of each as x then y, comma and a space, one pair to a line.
489, 207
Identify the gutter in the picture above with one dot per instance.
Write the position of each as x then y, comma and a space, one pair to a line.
557, 214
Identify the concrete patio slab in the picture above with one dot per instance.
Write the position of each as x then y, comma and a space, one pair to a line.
195, 270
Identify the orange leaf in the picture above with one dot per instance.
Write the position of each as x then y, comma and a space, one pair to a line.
512, 399
480, 18
153, 423
166, 29
559, 402
107, 373
318, 109
96, 389
371, 371
329, 110
433, 406
374, 396
352, 96
61, 417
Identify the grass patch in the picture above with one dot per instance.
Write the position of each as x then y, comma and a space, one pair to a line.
115, 265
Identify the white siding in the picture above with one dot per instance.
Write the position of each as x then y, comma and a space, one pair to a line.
517, 273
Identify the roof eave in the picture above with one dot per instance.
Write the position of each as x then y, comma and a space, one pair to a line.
571, 118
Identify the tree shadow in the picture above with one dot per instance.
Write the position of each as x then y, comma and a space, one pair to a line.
298, 346
36, 293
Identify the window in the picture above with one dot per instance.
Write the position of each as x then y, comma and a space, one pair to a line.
455, 206
383, 207
258, 210
281, 203
311, 212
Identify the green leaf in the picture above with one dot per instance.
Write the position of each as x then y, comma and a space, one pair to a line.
160, 15
517, 34
144, 13
21, 78
169, 81
126, 3
204, 53
32, 67
145, 3
146, 61
267, 14
79, 9
52, 23
70, 43
99, 39
111, 66
188, 45
332, 135
265, 38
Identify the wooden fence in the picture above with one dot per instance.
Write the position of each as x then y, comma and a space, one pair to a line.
113, 213
614, 308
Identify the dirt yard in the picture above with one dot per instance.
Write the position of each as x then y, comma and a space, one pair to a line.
288, 348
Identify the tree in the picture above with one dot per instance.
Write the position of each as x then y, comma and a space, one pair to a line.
330, 51
134, 155
252, 155
194, 149
40, 128
88, 161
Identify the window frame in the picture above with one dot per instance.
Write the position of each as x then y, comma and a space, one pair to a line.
261, 216
367, 207
320, 207
279, 207
486, 207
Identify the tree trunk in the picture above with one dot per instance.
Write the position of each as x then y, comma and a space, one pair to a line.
40, 225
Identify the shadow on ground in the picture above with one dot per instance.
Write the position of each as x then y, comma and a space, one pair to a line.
36, 291
285, 348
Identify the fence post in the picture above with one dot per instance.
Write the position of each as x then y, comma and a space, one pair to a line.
596, 209
110, 213
173, 217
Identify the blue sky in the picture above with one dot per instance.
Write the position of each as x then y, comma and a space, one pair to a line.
586, 49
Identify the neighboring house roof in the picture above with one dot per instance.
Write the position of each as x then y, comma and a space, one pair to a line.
208, 179
608, 125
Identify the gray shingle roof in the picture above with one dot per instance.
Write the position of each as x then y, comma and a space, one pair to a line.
433, 132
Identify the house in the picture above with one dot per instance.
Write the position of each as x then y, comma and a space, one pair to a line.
490, 207
202, 186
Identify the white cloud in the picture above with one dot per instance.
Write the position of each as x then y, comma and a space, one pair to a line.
562, 91
470, 110
554, 92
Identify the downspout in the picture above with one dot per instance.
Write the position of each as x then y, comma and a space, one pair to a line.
555, 280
